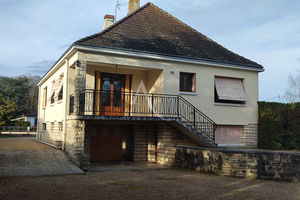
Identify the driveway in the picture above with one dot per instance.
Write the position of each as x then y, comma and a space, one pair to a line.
27, 157
174, 184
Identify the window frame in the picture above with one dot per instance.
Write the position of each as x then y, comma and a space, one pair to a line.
45, 97
60, 95
44, 126
192, 84
227, 102
52, 98
60, 126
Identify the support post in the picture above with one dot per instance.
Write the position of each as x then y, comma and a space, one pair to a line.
80, 83
152, 105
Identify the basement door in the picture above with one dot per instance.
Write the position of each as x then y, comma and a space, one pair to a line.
107, 144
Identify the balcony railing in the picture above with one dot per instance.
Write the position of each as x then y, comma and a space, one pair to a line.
106, 103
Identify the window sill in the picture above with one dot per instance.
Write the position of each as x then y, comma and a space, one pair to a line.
60, 101
188, 93
230, 104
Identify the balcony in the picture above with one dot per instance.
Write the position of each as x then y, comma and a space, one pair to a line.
94, 104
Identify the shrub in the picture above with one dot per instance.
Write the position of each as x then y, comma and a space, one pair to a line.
279, 126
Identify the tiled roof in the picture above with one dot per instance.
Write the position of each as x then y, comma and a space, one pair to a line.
153, 30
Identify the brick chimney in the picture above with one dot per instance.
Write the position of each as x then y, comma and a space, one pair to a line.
133, 6
108, 21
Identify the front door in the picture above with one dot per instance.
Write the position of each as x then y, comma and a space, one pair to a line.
111, 94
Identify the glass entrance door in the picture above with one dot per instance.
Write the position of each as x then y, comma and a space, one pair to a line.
112, 94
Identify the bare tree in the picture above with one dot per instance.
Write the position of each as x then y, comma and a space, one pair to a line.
33, 92
292, 95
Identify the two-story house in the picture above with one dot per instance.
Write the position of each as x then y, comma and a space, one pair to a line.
144, 84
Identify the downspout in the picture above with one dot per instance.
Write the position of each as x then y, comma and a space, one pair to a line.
66, 86
38, 116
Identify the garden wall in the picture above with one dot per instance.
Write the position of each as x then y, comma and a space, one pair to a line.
241, 163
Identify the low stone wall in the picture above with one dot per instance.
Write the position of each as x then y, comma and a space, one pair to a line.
241, 163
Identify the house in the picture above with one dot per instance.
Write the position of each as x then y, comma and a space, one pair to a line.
144, 84
30, 117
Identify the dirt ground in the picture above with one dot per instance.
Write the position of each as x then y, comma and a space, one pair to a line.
148, 184
22, 143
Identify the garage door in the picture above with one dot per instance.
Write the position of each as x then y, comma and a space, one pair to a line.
106, 145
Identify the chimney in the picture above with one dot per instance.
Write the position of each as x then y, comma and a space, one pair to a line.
108, 21
133, 6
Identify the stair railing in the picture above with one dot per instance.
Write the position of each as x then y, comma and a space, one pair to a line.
90, 102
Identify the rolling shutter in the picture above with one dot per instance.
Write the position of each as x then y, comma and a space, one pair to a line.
230, 89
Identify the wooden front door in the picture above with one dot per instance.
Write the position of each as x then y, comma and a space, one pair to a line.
110, 99
106, 145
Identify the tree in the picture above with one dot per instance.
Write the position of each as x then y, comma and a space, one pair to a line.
293, 93
7, 110
23, 91
33, 92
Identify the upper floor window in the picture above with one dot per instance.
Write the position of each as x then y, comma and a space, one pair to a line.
53, 92
229, 90
45, 97
187, 82
61, 87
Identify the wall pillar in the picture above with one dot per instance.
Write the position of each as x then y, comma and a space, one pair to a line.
80, 83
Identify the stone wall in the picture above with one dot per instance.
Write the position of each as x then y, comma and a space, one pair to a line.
77, 143
168, 138
144, 143
249, 136
241, 163
163, 137
52, 134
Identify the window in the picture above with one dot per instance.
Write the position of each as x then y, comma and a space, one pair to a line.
60, 94
61, 87
187, 82
53, 92
44, 126
229, 90
52, 98
45, 97
52, 126
228, 135
60, 126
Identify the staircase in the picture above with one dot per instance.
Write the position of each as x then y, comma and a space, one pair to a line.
180, 113
195, 124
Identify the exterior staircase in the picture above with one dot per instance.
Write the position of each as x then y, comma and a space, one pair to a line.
175, 109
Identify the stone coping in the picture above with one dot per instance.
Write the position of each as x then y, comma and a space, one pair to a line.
253, 151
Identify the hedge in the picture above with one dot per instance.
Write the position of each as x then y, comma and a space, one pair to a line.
279, 126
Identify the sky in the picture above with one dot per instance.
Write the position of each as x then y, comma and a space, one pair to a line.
35, 33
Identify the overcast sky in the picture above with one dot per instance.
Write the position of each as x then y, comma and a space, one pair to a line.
34, 33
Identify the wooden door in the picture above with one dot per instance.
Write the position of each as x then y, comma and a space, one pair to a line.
108, 146
110, 99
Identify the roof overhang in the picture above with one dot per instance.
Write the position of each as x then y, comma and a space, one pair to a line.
152, 56
57, 64
144, 55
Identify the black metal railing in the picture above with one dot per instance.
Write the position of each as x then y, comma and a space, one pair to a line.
97, 103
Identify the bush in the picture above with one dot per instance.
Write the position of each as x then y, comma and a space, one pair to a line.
279, 126
20, 124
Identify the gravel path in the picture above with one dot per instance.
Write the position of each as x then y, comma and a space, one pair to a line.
157, 184
27, 157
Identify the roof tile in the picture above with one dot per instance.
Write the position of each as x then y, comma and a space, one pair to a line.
153, 30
